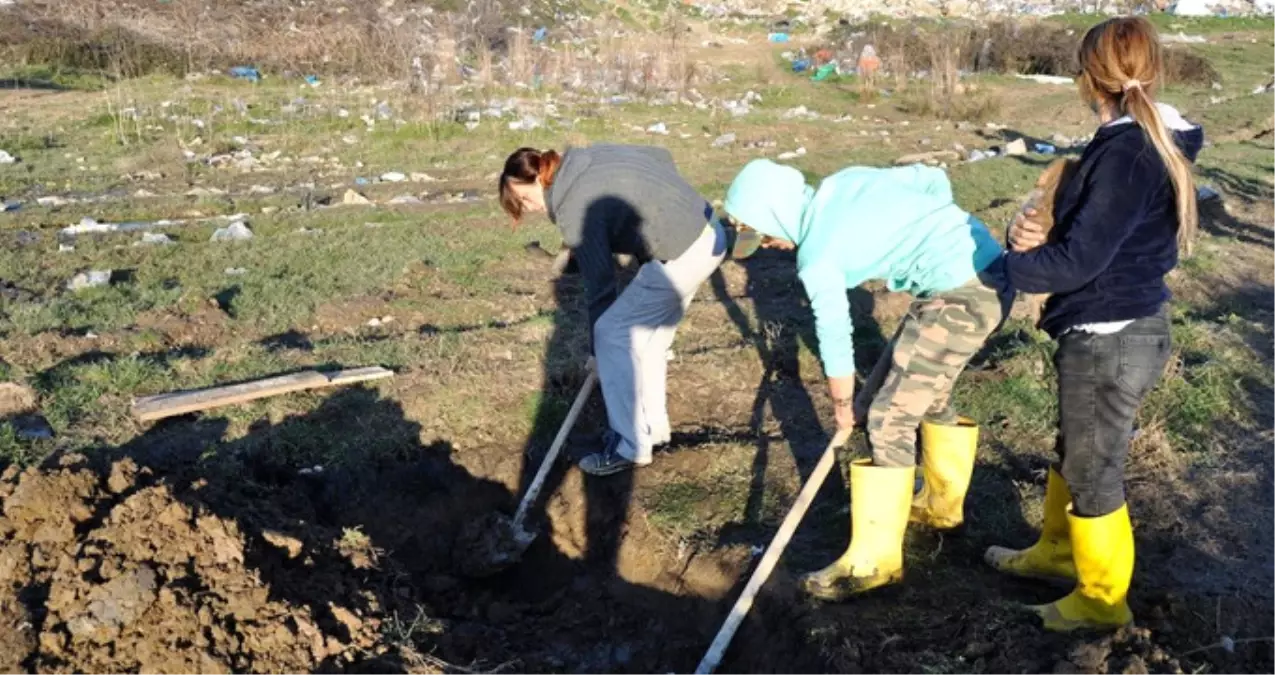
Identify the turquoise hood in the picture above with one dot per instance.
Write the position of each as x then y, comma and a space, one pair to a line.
898, 225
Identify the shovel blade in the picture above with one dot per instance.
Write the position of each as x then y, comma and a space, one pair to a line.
489, 545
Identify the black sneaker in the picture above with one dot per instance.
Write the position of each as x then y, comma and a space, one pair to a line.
608, 461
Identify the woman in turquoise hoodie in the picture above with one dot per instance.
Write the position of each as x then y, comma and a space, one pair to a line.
902, 227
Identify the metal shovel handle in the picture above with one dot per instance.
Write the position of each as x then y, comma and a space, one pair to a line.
713, 656
533, 490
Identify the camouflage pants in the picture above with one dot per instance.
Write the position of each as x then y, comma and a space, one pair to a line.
914, 377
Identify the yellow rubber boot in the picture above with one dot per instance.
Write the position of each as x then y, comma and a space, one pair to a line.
880, 498
947, 463
1103, 549
1050, 557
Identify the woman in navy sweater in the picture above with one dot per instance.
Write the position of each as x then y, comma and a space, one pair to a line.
1120, 224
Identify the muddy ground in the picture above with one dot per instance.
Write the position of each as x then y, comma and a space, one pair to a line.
171, 554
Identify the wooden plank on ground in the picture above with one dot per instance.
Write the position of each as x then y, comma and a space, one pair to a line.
159, 406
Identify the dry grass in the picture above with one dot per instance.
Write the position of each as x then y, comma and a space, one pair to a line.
483, 43
1005, 46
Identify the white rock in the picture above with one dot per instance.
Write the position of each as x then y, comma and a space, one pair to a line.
89, 279
405, 199
417, 177
1016, 147
6, 158
354, 198
724, 140
657, 128
236, 231
155, 238
393, 177
53, 200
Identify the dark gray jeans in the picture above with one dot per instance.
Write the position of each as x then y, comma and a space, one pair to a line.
1102, 380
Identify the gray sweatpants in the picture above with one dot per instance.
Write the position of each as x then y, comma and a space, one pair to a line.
632, 338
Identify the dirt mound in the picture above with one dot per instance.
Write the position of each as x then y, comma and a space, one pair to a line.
115, 574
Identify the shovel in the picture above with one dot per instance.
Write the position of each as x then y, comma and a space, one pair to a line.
495, 542
777, 545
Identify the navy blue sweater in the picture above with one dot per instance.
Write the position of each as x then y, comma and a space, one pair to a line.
1116, 229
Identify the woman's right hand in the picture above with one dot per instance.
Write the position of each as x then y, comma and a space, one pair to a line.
1025, 234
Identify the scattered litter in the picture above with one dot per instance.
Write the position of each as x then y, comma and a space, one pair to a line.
359, 180
1047, 79
236, 231
540, 34
1192, 8
154, 238
1206, 193
1183, 38
306, 471
245, 73
32, 427
6, 158
1016, 147
723, 140
980, 155
380, 321
383, 111
53, 200
88, 226
1045, 148
312, 80
800, 65
89, 279
778, 37
308, 230
354, 198
10, 206
143, 193
658, 128
65, 248
393, 177
349, 139
405, 199
800, 152
261, 190
825, 71
236, 271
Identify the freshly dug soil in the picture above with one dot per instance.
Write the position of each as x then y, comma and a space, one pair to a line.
170, 565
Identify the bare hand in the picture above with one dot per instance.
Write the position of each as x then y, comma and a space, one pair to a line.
1026, 234
841, 390
845, 417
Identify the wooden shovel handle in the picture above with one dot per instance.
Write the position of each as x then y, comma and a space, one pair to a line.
533, 490
777, 545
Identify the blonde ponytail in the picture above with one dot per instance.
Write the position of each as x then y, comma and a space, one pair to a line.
1144, 111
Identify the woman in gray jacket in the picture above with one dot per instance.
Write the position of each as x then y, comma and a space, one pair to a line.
617, 199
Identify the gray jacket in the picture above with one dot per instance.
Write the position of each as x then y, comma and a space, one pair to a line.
610, 199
